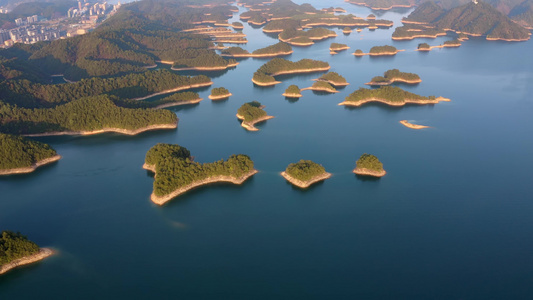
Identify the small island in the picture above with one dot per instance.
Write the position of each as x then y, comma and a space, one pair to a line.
302, 38
293, 91
176, 173
17, 250
321, 86
336, 47
447, 44
347, 30
369, 165
21, 155
333, 78
279, 49
252, 113
394, 75
177, 99
379, 51
412, 126
390, 95
305, 173
219, 93
423, 47
264, 76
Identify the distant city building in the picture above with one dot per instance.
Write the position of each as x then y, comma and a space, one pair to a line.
19, 21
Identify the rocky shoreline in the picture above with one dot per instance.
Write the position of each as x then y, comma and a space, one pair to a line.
115, 130
250, 125
391, 103
305, 184
369, 172
181, 88
42, 254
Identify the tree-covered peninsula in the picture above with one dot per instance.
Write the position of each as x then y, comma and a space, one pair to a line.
264, 76
89, 115
334, 48
322, 86
297, 37
475, 19
21, 155
252, 113
17, 250
279, 49
136, 86
369, 165
293, 91
390, 95
378, 51
305, 173
395, 75
334, 79
219, 93
176, 173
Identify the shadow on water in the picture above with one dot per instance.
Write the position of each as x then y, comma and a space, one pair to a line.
273, 35
386, 107
219, 101
186, 107
292, 100
382, 58
199, 191
367, 178
38, 172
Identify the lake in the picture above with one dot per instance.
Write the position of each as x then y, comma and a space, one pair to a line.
450, 220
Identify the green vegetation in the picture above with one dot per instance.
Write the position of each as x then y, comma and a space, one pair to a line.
424, 46
280, 47
174, 99
251, 111
359, 52
293, 89
347, 29
231, 51
388, 93
323, 85
305, 170
221, 91
410, 31
280, 25
383, 49
454, 42
85, 114
390, 75
382, 4
369, 161
14, 246
276, 66
478, 19
295, 36
26, 93
337, 46
175, 169
237, 25
18, 152
333, 78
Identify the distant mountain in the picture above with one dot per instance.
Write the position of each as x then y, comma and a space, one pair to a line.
479, 19
523, 14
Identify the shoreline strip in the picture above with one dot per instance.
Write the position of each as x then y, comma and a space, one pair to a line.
42, 254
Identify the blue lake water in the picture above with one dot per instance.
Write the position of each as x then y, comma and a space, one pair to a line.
450, 220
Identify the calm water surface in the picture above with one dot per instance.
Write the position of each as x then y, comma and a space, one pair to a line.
451, 220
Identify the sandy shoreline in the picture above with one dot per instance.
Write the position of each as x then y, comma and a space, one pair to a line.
160, 200
115, 130
219, 97
42, 254
31, 168
319, 90
368, 172
222, 68
181, 88
301, 71
289, 95
338, 49
406, 101
379, 8
178, 103
378, 54
334, 83
412, 126
250, 125
393, 80
257, 55
271, 83
412, 37
305, 184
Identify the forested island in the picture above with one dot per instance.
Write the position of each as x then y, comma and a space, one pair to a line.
21, 155
252, 113
369, 165
297, 37
279, 49
305, 173
474, 19
176, 173
447, 44
412, 31
17, 250
322, 86
394, 75
383, 4
219, 93
293, 91
333, 78
90, 115
390, 95
378, 51
334, 48
264, 76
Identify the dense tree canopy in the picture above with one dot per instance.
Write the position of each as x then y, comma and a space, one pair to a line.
305, 170
388, 93
14, 246
18, 152
392, 74
369, 161
251, 111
